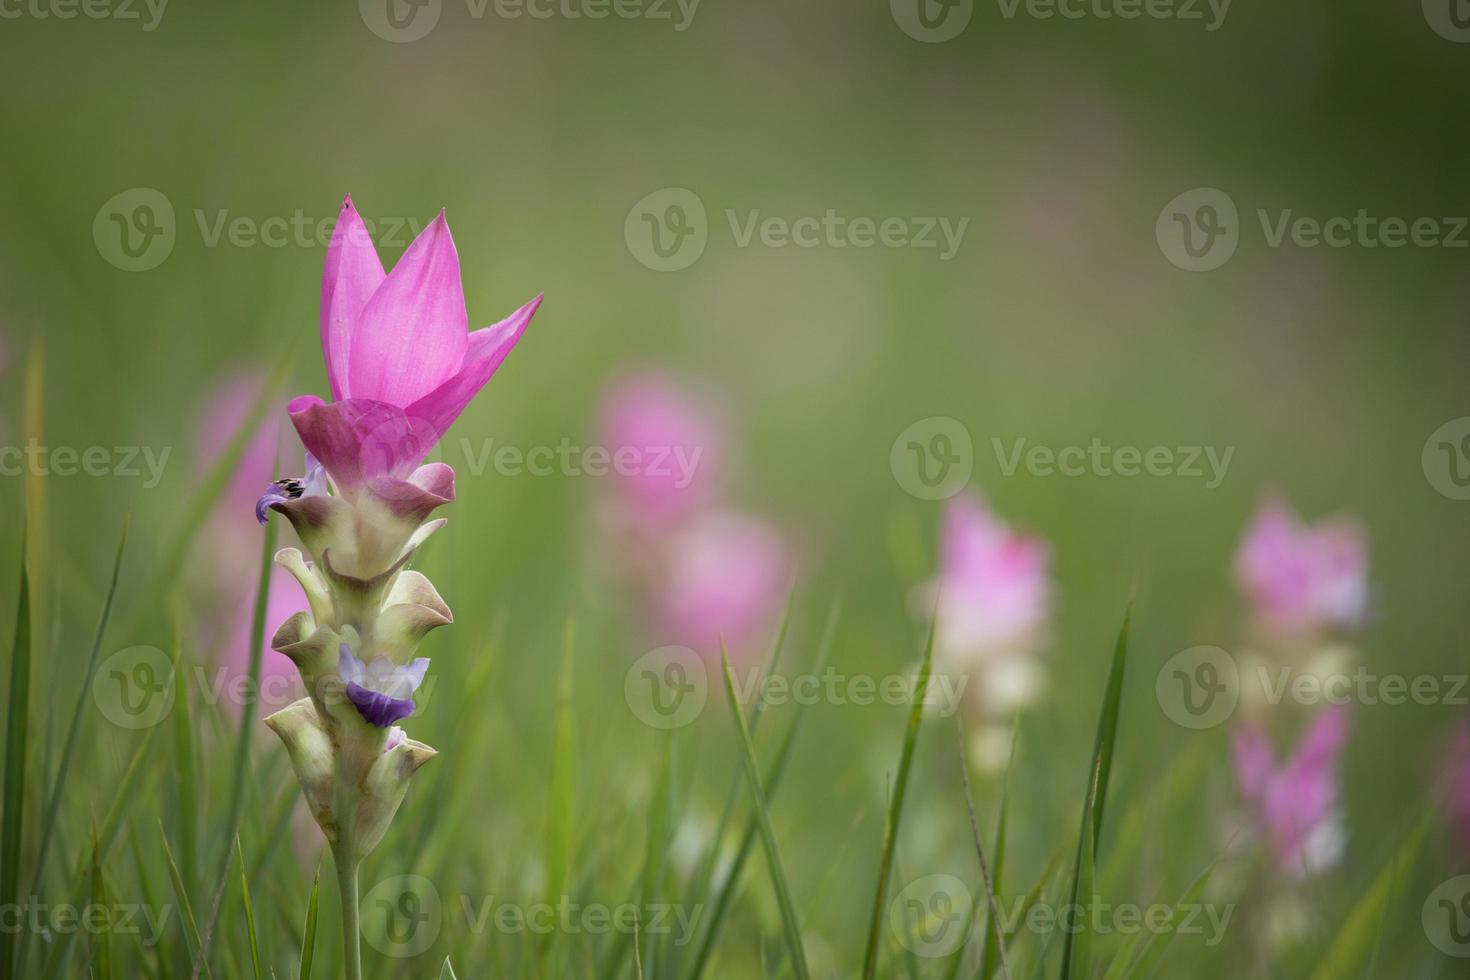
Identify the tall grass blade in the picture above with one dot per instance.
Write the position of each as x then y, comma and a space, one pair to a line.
17, 724
789, 922
985, 877
895, 806
561, 800
250, 914
53, 801
446, 972
1350, 947
308, 939
731, 883
990, 952
102, 950
1076, 947
181, 895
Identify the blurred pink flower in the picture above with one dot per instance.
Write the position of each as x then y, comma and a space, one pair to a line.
725, 577
232, 542
1301, 578
1457, 785
1295, 804
667, 448
993, 593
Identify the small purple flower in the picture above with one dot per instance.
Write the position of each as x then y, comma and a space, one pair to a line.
381, 691
313, 484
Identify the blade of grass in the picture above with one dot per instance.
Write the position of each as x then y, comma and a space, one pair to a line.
895, 806
773, 781
1155, 942
789, 922
53, 801
250, 912
989, 883
201, 961
1076, 946
1350, 946
16, 727
185, 764
989, 954
446, 972
191, 926
732, 793
559, 817
308, 940
102, 952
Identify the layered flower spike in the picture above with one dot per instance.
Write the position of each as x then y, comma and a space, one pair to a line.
402, 366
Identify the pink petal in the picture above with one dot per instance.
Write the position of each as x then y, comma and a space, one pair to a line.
353, 273
412, 334
487, 349
1253, 760
359, 440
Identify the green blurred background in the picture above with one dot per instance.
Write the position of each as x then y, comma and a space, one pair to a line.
1059, 320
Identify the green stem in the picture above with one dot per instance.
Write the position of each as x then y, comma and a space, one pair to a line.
347, 888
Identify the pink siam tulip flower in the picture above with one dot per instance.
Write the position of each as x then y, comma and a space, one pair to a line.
1295, 804
993, 593
672, 444
726, 578
402, 366
1303, 579
400, 358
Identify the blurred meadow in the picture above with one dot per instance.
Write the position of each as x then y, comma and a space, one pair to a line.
171, 178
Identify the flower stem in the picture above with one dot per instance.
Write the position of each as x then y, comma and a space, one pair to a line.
351, 929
